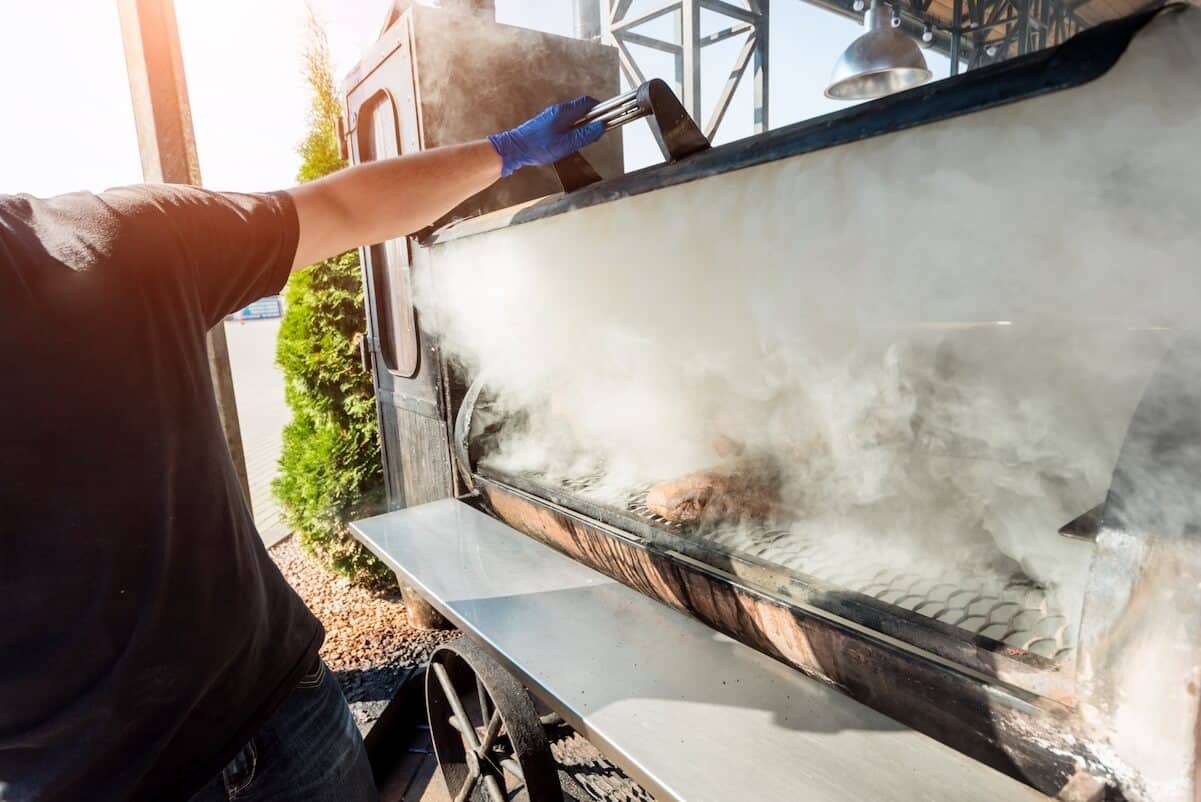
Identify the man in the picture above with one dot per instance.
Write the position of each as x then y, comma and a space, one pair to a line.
149, 647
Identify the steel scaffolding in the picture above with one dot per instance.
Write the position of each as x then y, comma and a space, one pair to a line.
994, 30
619, 27
972, 33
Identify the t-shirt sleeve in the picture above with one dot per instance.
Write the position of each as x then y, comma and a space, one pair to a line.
228, 248
238, 247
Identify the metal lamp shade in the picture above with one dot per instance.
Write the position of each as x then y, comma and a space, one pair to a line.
882, 61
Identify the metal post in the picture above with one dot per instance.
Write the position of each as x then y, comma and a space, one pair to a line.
686, 46
1044, 24
167, 143
956, 35
476, 8
762, 66
587, 19
976, 12
679, 56
690, 39
1023, 27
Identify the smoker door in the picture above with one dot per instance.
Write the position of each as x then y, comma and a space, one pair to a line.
383, 123
389, 262
419, 87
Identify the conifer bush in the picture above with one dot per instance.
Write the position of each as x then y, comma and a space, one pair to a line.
329, 469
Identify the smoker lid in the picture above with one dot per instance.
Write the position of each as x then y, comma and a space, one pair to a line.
1083, 58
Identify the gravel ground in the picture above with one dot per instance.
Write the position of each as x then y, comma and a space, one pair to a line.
369, 644
585, 773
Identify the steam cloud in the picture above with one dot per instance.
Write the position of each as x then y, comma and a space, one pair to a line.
941, 334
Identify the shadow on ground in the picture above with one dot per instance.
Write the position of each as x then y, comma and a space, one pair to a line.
377, 684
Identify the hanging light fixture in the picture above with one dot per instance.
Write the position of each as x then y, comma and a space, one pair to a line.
882, 61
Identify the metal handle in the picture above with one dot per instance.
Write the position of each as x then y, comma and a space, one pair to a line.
616, 111
675, 132
365, 355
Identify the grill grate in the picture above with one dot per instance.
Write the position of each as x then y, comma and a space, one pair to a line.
1011, 609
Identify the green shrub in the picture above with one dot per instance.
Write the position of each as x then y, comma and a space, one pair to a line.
330, 470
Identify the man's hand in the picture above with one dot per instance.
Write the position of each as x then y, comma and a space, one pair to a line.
548, 137
386, 199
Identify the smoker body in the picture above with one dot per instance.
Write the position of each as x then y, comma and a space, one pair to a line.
989, 666
438, 78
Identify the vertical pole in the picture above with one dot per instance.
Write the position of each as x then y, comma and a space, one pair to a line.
956, 35
690, 40
485, 9
762, 66
167, 144
1023, 27
587, 19
976, 12
679, 22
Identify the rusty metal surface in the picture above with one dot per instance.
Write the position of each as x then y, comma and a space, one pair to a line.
1013, 610
974, 704
1003, 626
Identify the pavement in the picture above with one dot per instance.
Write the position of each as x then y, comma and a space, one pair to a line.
415, 777
262, 414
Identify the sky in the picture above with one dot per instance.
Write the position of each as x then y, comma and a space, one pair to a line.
69, 125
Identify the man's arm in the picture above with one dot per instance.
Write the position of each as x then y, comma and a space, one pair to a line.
381, 200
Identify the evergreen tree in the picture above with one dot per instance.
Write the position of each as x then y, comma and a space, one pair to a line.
330, 469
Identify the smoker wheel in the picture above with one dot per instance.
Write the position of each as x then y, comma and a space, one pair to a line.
489, 740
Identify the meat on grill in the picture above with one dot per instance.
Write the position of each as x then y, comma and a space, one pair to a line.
748, 490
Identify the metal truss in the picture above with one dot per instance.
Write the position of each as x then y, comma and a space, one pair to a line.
979, 32
996, 30
620, 28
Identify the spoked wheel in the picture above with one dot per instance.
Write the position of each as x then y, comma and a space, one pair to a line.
490, 743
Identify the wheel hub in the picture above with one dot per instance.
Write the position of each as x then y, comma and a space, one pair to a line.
488, 737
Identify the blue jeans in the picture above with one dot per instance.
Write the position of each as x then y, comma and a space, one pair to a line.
310, 750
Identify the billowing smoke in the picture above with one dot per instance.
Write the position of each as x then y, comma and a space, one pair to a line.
939, 337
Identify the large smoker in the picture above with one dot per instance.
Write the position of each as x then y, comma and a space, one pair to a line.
1046, 687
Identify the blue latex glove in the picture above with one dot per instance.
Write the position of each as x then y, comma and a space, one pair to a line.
548, 137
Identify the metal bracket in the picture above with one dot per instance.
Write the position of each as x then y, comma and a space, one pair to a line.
366, 354
674, 129
576, 172
343, 135
464, 459
1085, 526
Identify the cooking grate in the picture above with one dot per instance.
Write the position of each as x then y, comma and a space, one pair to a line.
1009, 608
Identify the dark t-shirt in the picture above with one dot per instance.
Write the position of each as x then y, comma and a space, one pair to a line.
144, 632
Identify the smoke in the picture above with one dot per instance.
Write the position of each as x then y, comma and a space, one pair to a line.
939, 336
476, 77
